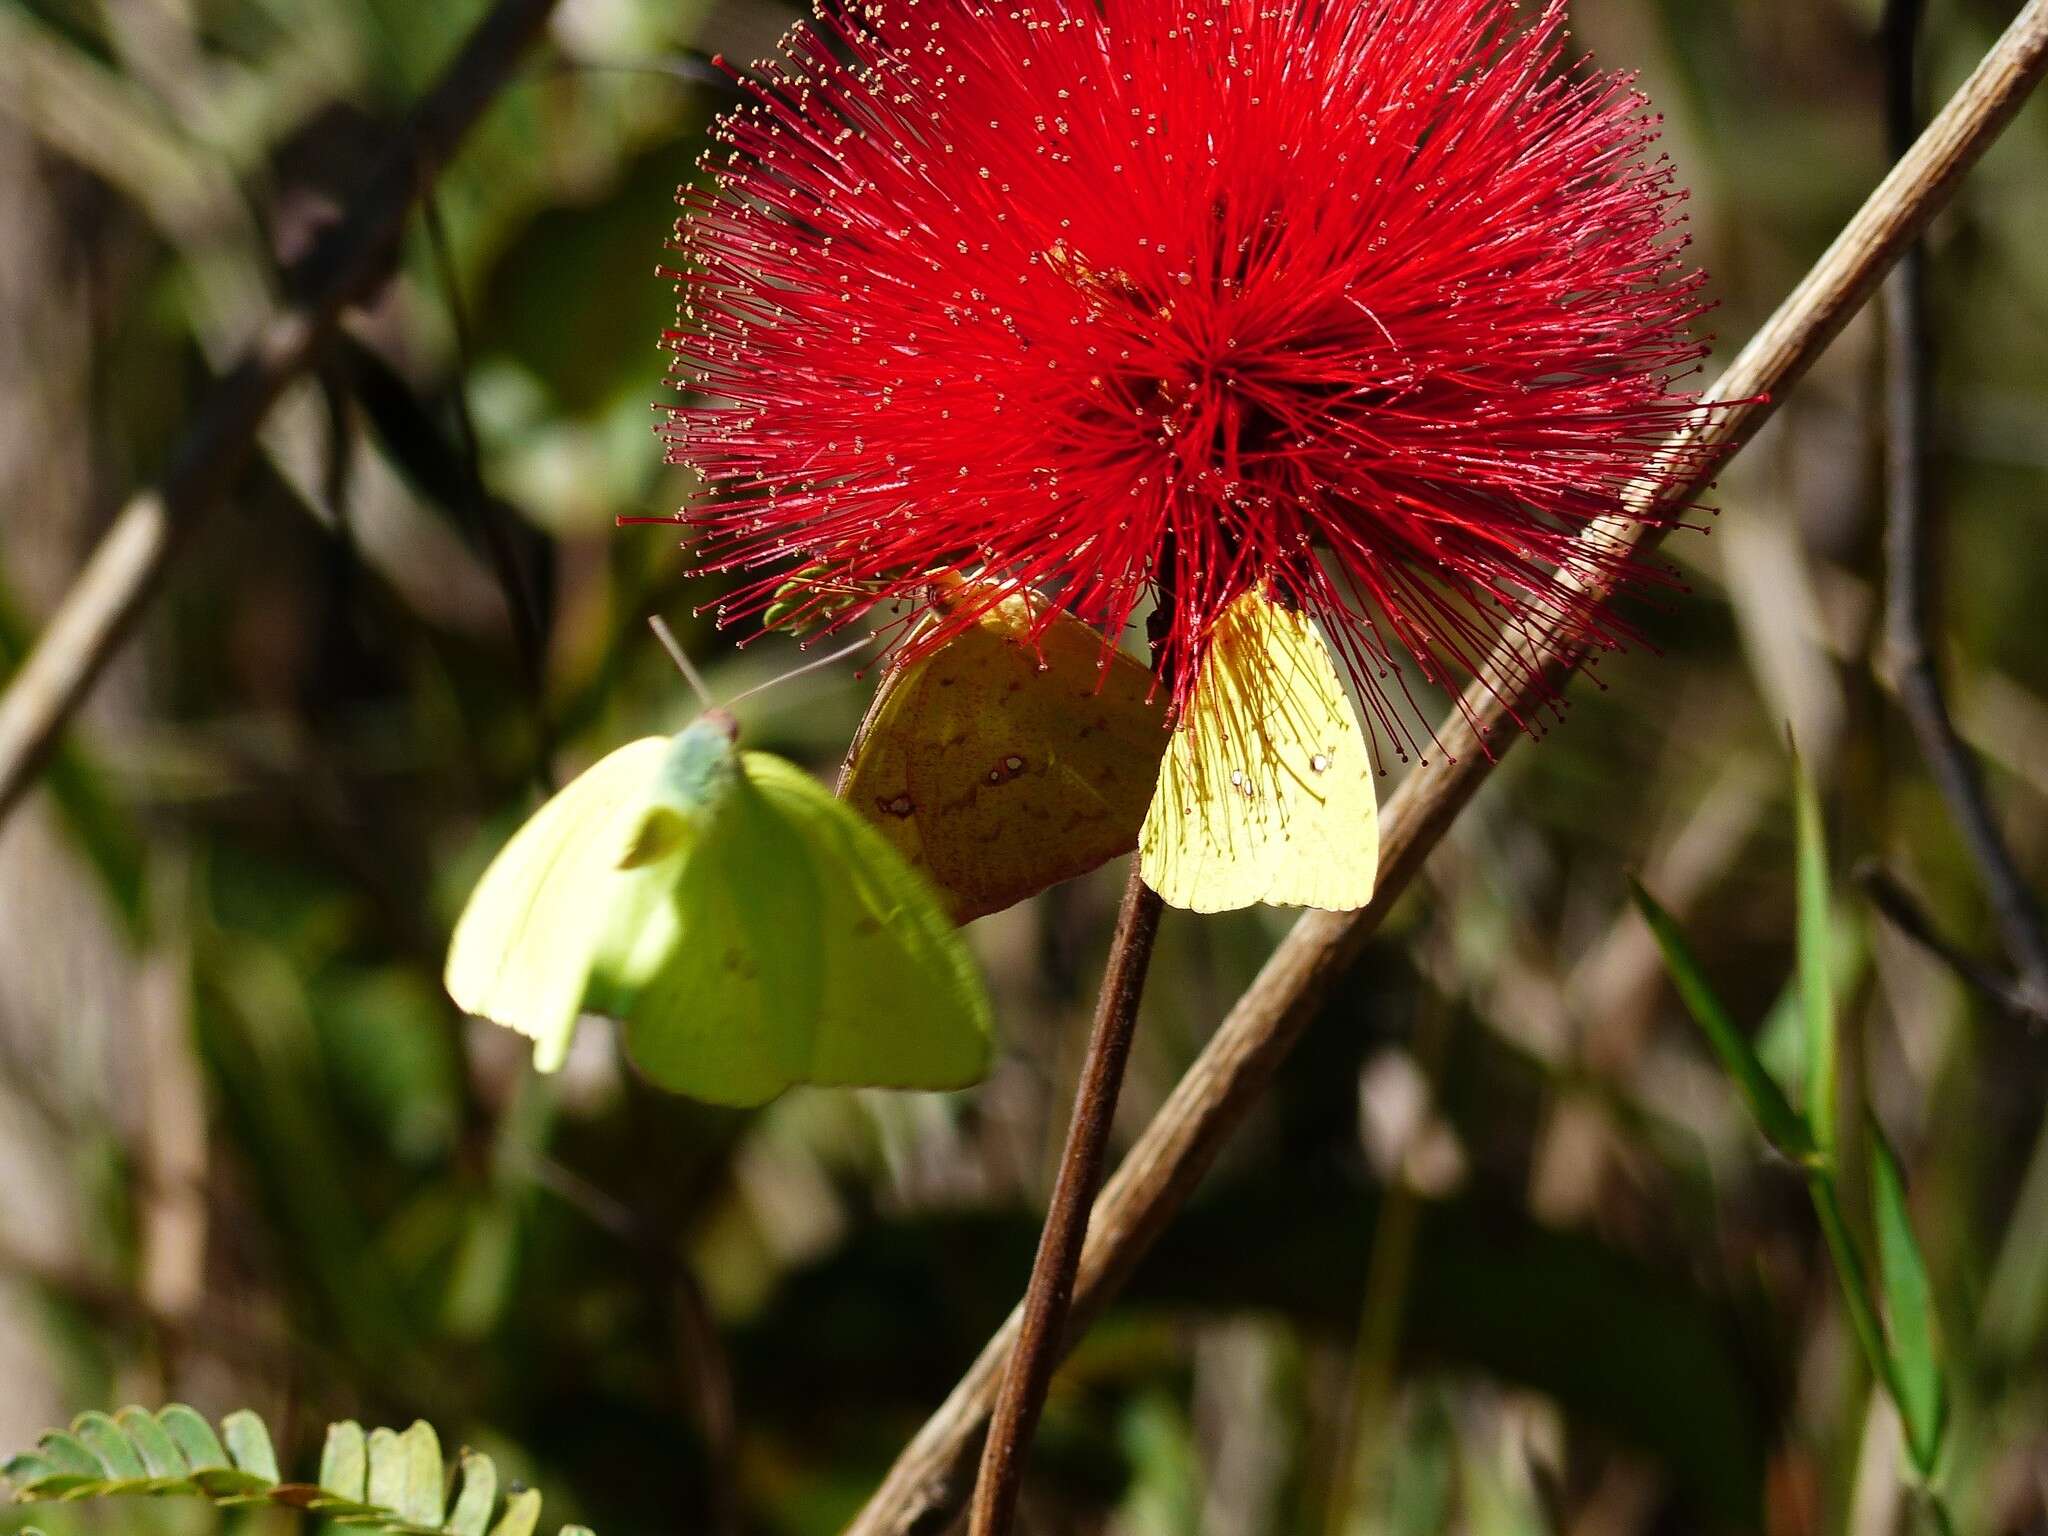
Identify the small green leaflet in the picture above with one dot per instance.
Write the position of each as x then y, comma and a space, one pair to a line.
1815, 984
1909, 1304
1774, 1115
748, 930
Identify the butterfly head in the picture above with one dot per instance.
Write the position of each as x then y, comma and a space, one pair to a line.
694, 777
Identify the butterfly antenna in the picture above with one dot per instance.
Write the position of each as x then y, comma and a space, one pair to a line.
810, 666
675, 654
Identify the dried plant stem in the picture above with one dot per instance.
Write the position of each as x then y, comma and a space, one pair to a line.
1041, 1333
1899, 908
1911, 622
117, 581
1219, 1089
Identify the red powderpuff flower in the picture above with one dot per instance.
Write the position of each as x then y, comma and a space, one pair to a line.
1360, 298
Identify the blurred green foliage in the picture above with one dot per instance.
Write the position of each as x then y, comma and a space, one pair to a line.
248, 1153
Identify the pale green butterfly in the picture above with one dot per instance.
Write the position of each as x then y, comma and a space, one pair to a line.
748, 930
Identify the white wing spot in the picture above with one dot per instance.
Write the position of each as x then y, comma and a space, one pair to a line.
1320, 763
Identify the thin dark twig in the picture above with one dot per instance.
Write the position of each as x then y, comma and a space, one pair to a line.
1911, 536
704, 1364
486, 518
111, 592
1906, 914
1050, 1295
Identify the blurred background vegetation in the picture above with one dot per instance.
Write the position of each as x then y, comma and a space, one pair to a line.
249, 1154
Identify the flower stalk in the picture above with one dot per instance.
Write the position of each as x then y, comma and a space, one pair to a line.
1049, 1296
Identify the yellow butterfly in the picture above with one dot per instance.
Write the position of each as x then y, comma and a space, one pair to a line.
1266, 794
1000, 766
747, 930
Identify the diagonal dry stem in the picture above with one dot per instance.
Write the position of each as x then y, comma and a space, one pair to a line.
930, 1477
118, 580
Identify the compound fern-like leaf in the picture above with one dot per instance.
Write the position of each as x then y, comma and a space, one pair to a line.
395, 1481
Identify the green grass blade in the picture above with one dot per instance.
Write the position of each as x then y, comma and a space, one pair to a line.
1909, 1305
1816, 990
1773, 1112
1854, 1278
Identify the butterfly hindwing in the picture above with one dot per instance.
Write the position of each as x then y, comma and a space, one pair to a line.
793, 946
1266, 794
901, 1003
1002, 764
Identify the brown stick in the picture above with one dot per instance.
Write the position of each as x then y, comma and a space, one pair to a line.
1217, 1092
1913, 523
118, 580
1041, 1334
1904, 913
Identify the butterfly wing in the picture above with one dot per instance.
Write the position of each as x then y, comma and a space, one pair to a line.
791, 944
1267, 791
713, 967
901, 1003
875, 779
1001, 766
522, 950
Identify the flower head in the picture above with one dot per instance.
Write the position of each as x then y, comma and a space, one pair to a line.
1364, 299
